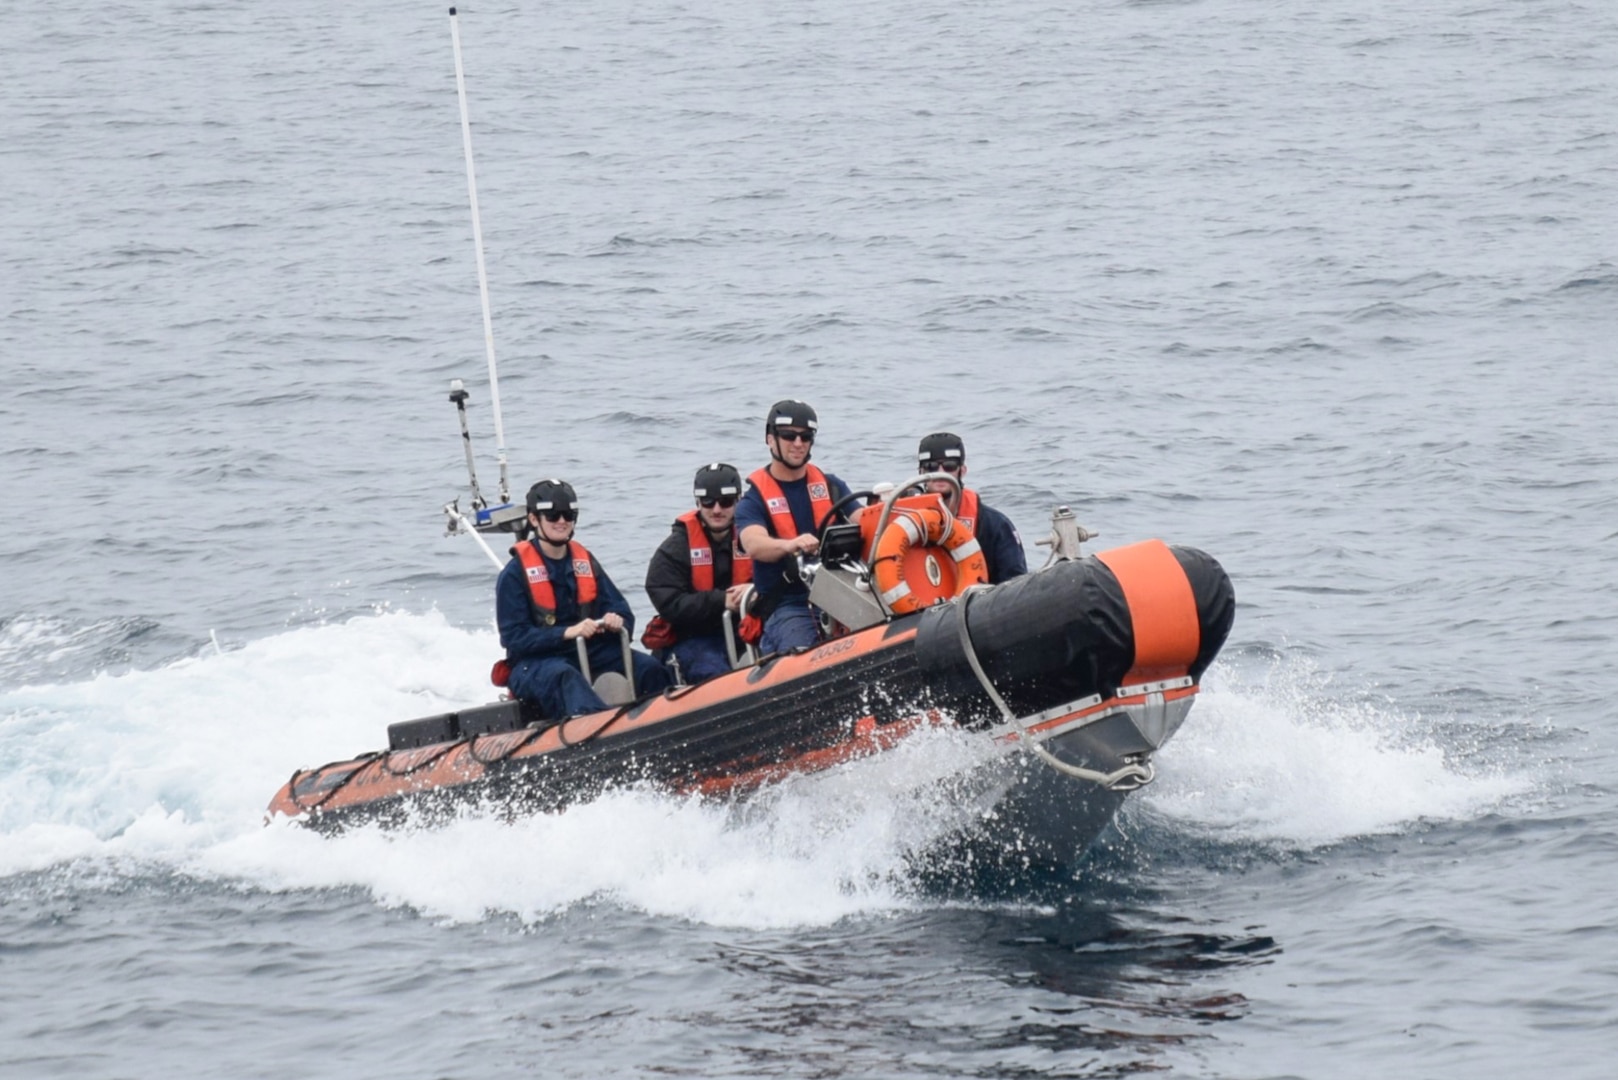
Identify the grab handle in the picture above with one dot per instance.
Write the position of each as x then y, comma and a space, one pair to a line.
749, 655
584, 655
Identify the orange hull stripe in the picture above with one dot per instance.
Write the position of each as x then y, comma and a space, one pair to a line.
1161, 606
867, 739
389, 774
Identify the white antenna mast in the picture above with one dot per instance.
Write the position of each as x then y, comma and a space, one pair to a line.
483, 274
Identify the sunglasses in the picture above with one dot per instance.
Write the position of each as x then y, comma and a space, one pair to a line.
559, 515
951, 467
786, 435
726, 501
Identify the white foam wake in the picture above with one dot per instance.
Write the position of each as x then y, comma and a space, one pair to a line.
206, 741
174, 767
809, 852
1281, 761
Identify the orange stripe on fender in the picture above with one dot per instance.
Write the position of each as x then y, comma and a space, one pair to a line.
1162, 609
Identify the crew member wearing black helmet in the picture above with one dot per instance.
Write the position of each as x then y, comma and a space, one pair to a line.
699, 572
551, 592
776, 520
944, 452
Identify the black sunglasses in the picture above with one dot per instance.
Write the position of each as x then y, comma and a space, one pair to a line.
559, 515
795, 436
726, 501
950, 467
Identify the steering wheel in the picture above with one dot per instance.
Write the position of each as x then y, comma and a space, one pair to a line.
836, 508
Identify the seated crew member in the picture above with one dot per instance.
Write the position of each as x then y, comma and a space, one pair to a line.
552, 592
996, 535
776, 520
699, 572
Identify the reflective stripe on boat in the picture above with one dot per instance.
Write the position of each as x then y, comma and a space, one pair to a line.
1153, 687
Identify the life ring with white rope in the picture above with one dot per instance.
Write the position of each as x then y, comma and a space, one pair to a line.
925, 555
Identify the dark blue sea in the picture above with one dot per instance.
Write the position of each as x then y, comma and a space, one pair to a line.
1327, 290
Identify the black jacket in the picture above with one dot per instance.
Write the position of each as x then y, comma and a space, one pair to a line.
668, 586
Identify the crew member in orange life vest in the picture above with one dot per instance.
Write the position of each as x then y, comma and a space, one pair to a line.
551, 592
776, 520
698, 573
997, 536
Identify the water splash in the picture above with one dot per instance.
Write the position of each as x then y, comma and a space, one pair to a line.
808, 852
171, 769
210, 737
1284, 761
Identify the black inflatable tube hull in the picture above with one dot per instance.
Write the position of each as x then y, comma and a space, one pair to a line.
1060, 635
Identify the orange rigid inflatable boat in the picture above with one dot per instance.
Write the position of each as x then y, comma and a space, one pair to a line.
1072, 676
1077, 672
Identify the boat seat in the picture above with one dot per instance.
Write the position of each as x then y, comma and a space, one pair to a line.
613, 688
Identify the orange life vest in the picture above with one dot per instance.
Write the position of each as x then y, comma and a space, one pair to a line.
741, 564
543, 593
775, 501
968, 513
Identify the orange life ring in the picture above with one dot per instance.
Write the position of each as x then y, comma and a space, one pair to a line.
906, 569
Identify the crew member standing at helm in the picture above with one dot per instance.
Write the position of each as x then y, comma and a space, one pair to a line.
699, 572
776, 520
552, 592
944, 452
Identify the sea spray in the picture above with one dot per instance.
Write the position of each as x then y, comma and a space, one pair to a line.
1273, 757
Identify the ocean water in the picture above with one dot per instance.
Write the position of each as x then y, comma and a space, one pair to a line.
1328, 291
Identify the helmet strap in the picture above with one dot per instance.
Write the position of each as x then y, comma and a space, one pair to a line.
775, 454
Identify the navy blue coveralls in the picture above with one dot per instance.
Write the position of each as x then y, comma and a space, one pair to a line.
544, 663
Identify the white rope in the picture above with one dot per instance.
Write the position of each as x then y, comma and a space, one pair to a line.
1115, 781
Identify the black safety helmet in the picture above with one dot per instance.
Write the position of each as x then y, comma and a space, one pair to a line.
715, 480
790, 414
941, 446
552, 495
